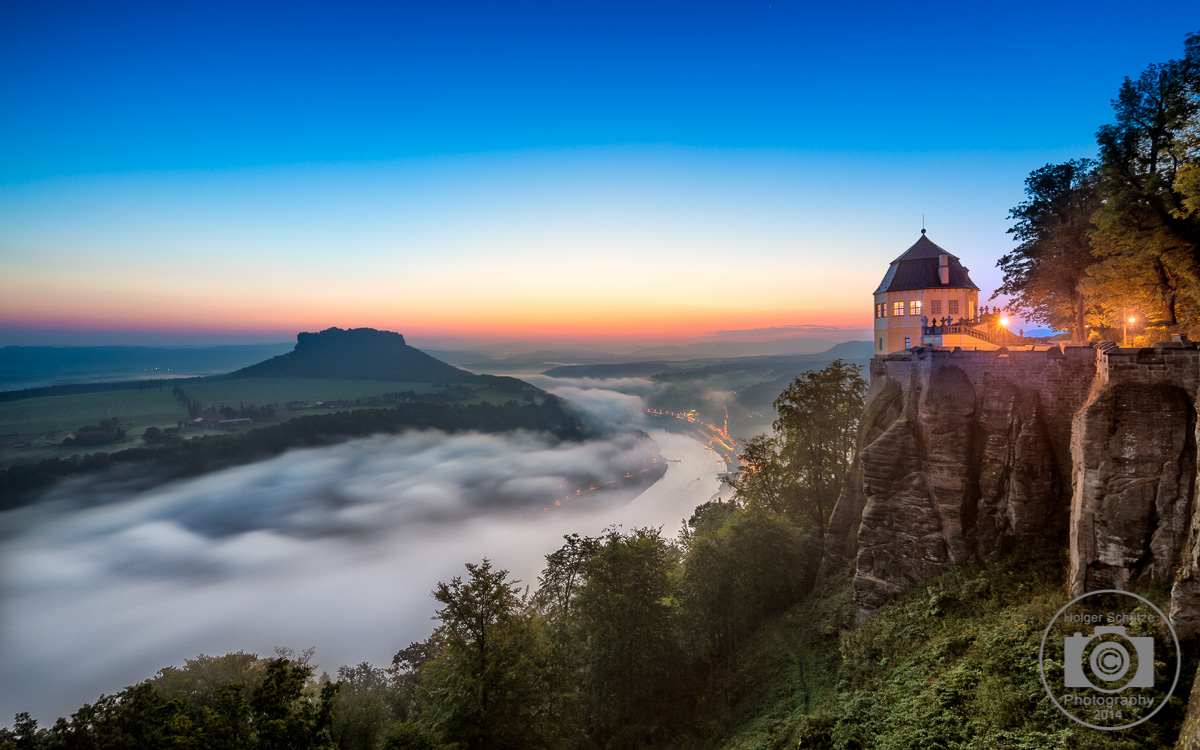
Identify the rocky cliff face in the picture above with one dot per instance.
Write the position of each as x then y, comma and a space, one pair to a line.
1134, 454
965, 455
959, 462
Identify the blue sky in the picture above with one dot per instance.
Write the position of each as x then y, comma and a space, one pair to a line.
461, 147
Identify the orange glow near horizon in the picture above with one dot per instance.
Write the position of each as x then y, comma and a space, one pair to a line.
651, 308
641, 245
647, 323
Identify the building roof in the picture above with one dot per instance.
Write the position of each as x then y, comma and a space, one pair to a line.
917, 268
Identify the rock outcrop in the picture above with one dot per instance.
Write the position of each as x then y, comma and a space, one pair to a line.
1134, 454
965, 455
1019, 480
358, 354
962, 454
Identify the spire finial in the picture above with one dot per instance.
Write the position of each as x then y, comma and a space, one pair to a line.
922, 223
922, 230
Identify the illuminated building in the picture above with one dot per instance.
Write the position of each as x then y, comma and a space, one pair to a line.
927, 297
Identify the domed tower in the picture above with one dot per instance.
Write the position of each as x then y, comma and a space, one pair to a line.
925, 286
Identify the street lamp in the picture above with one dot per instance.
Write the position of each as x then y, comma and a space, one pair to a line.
1125, 330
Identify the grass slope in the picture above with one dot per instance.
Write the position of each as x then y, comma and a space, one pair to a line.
265, 391
953, 664
59, 413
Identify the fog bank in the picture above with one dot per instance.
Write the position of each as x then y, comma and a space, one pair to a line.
336, 547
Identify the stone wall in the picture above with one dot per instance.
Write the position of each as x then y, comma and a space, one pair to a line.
965, 454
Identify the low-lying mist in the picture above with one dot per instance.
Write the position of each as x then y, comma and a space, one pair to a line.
335, 547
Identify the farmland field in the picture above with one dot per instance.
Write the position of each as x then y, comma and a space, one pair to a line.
66, 413
34, 422
266, 391
32, 429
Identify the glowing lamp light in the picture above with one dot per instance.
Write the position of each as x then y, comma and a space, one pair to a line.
1133, 320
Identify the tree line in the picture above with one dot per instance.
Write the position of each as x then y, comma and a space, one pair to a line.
20, 484
73, 389
613, 649
1117, 237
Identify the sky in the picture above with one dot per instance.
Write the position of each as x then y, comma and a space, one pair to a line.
473, 172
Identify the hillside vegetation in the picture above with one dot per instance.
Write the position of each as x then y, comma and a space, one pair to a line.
953, 664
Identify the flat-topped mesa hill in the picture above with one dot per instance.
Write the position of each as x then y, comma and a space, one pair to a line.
357, 353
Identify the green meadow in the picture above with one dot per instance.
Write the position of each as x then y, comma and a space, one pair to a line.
266, 391
32, 423
66, 413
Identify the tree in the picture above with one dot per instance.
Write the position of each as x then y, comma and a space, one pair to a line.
487, 688
198, 707
742, 566
762, 480
283, 718
152, 436
626, 620
818, 430
198, 679
1044, 277
1148, 233
406, 735
136, 717
24, 736
361, 708
405, 674
563, 575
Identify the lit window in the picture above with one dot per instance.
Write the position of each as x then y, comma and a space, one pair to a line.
914, 307
935, 307
952, 306
897, 309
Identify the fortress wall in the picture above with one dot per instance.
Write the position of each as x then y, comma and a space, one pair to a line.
1059, 379
1174, 364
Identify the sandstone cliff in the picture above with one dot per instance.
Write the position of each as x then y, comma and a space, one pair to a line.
964, 455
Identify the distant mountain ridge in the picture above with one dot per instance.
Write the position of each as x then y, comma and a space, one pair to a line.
519, 356
356, 353
852, 351
24, 367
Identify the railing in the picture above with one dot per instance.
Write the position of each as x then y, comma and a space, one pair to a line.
992, 338
972, 327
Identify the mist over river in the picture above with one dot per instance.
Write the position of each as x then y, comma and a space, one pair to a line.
336, 547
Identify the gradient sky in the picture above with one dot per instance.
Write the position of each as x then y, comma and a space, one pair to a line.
573, 170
